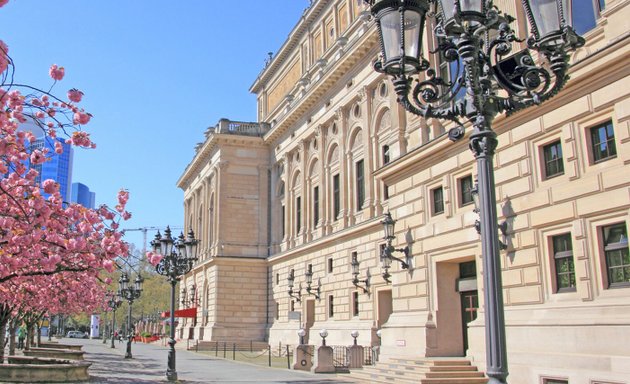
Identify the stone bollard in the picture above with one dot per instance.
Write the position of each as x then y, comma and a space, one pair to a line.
355, 356
324, 360
302, 358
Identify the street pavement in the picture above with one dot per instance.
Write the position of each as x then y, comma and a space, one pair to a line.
148, 365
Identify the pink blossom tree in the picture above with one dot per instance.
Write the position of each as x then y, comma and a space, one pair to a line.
53, 254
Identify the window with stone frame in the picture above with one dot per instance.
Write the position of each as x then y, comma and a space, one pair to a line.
386, 156
298, 214
602, 142
336, 197
547, 380
315, 206
331, 306
552, 157
582, 15
564, 268
360, 184
437, 200
465, 190
616, 255
355, 303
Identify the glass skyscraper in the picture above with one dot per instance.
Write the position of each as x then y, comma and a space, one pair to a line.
81, 194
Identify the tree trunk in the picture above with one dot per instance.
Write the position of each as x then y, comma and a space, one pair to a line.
12, 326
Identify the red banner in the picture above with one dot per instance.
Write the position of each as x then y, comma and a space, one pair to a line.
187, 312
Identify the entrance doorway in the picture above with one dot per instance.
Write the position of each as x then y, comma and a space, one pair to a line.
385, 307
467, 287
309, 317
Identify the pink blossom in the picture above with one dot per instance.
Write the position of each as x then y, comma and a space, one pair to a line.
154, 258
50, 186
75, 95
58, 148
123, 196
56, 72
37, 157
81, 118
3, 2
126, 215
4, 50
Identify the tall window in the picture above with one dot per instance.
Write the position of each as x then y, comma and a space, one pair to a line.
563, 262
315, 206
336, 197
437, 195
552, 154
282, 223
298, 214
330, 265
603, 142
355, 303
617, 256
386, 157
465, 190
331, 306
582, 14
360, 183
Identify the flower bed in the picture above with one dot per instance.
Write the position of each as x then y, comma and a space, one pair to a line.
22, 369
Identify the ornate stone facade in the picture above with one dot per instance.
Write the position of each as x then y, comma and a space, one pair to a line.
307, 186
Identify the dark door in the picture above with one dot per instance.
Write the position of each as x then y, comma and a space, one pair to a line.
470, 305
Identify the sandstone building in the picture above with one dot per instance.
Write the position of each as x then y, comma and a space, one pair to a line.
305, 188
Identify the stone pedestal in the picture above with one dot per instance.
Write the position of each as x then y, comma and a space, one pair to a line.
324, 360
355, 356
302, 358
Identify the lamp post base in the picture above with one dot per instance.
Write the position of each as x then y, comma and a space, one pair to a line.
171, 372
171, 375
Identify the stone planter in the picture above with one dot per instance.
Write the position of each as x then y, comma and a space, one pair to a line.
21, 369
74, 347
54, 353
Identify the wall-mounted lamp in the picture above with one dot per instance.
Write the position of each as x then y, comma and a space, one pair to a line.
323, 333
387, 254
291, 280
503, 227
309, 281
355, 275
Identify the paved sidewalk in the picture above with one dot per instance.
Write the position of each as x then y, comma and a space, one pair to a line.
148, 365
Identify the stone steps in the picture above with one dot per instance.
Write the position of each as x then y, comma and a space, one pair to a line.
424, 371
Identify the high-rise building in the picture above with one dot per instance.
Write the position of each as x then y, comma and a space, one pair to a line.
58, 167
81, 194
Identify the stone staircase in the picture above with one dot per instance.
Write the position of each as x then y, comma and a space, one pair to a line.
423, 371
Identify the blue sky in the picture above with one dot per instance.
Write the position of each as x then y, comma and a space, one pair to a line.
155, 75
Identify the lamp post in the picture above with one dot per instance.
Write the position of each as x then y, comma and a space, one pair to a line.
129, 293
115, 301
173, 265
476, 38
388, 251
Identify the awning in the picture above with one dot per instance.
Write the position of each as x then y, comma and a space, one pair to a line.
186, 312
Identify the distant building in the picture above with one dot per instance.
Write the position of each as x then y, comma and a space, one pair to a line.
59, 167
81, 194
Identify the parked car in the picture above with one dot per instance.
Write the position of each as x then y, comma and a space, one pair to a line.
77, 335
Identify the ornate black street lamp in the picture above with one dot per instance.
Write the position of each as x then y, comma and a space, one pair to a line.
129, 293
173, 265
476, 38
290, 281
113, 303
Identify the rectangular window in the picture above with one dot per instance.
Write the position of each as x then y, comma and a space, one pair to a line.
552, 154
437, 195
385, 192
315, 206
386, 154
563, 263
355, 303
465, 190
603, 142
336, 197
582, 14
282, 225
298, 214
331, 306
330, 265
555, 381
617, 255
277, 278
360, 183
292, 305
